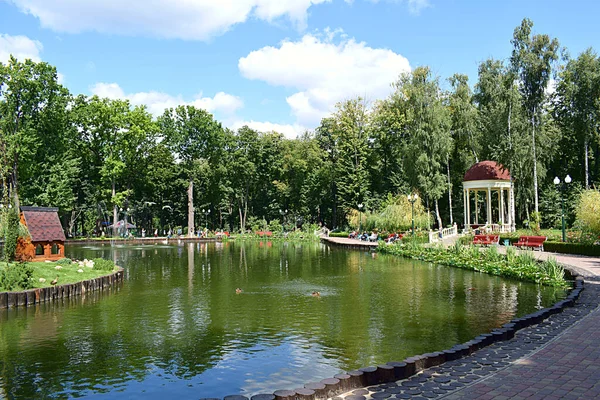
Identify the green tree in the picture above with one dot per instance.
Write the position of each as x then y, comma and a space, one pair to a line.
577, 105
429, 141
28, 92
193, 135
532, 59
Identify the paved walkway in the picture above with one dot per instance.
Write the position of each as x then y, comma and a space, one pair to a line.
556, 359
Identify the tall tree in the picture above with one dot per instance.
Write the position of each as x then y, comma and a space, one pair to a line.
532, 58
193, 135
429, 142
577, 105
27, 91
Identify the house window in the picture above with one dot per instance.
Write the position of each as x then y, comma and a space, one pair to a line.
39, 250
54, 249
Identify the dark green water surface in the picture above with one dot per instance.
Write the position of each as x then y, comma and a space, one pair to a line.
176, 327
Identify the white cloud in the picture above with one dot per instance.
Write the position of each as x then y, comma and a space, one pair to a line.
157, 102
183, 19
324, 72
19, 46
289, 131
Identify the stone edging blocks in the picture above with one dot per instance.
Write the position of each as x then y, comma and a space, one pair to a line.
40, 295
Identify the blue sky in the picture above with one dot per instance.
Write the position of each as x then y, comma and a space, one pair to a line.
273, 64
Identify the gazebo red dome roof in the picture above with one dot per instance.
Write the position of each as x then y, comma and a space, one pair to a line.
487, 170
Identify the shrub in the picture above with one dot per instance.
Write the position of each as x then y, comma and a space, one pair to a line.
11, 234
588, 211
64, 261
16, 276
101, 264
573, 248
338, 234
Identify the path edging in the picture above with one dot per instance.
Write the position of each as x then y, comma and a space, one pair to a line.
32, 297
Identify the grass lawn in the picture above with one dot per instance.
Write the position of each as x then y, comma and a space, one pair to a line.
65, 274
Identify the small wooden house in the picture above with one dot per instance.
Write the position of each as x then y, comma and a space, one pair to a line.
47, 234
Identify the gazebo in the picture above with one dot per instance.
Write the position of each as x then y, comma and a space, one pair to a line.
492, 179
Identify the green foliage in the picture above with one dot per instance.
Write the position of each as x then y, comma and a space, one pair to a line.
64, 261
101, 264
11, 233
339, 234
15, 276
592, 250
588, 211
523, 266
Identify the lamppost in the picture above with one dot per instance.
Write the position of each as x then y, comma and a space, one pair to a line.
206, 213
562, 188
360, 206
412, 198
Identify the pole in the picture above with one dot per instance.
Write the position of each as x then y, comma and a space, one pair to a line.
412, 203
562, 213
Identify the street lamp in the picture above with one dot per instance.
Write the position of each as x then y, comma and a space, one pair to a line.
360, 206
206, 213
412, 198
562, 188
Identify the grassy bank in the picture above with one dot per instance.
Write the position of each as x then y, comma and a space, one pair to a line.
522, 266
42, 273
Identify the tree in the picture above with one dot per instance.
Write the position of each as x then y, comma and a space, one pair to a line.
193, 135
532, 59
429, 141
27, 91
577, 105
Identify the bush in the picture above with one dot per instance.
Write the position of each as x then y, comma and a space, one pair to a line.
64, 261
11, 234
100, 264
588, 211
16, 276
339, 234
573, 248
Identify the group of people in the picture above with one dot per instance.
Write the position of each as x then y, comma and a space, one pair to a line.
373, 236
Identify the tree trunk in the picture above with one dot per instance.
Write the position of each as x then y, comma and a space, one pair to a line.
191, 208
115, 210
437, 214
449, 189
586, 146
334, 216
535, 179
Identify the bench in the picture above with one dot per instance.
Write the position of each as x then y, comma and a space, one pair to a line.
535, 242
264, 233
486, 240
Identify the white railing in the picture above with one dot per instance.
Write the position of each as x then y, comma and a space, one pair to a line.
436, 236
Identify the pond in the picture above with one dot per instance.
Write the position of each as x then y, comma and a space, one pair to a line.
177, 326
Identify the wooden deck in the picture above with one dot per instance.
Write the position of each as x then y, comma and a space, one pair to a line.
350, 243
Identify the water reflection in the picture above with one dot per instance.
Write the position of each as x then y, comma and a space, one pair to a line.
176, 325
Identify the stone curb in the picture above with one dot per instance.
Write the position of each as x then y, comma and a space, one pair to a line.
41, 295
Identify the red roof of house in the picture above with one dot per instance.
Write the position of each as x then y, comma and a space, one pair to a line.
43, 224
487, 170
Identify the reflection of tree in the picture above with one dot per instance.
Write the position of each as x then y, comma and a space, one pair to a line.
180, 313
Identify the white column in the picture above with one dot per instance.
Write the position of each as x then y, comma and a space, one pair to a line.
489, 205
468, 210
501, 200
465, 207
511, 212
476, 209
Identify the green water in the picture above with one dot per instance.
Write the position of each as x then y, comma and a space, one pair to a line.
177, 328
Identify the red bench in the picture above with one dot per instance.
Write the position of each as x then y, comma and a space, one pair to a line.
535, 242
264, 233
486, 240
